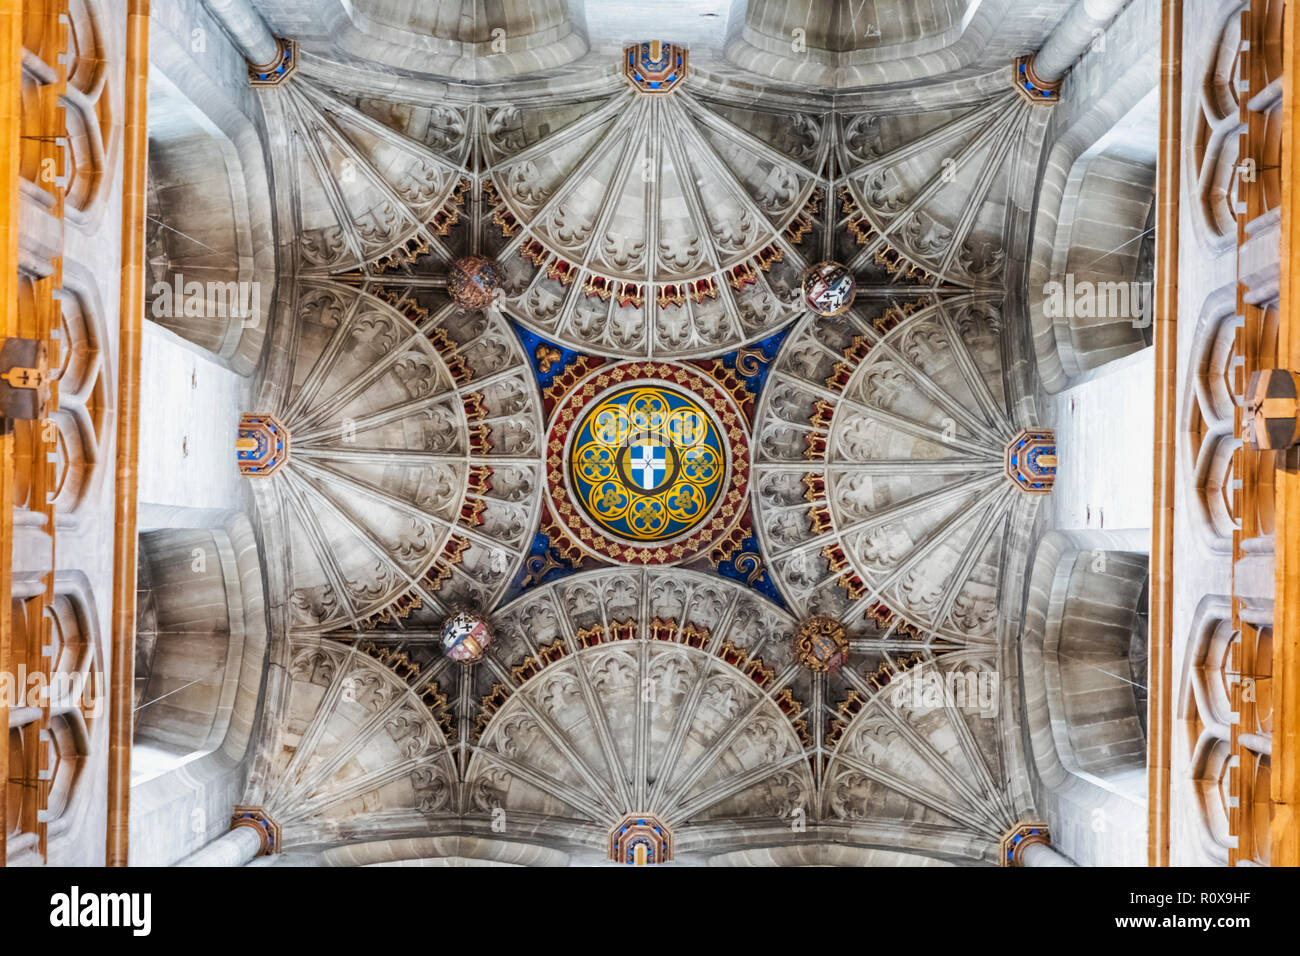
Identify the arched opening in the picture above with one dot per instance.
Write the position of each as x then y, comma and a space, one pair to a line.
183, 647
464, 39
843, 44
210, 279
1104, 307
1090, 279
1083, 673
1096, 645
201, 647
198, 611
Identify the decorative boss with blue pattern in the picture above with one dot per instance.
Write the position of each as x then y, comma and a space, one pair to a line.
655, 66
1031, 460
647, 463
261, 446
640, 840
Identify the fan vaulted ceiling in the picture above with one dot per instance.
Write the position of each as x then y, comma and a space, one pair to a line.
866, 450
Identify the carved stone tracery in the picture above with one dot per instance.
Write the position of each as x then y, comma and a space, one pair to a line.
420, 461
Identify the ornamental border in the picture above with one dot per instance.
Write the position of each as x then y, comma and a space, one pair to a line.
817, 479
715, 427
731, 506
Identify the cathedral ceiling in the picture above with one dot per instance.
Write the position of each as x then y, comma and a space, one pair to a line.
675, 692
738, 626
827, 44
463, 39
850, 44
668, 207
879, 470
416, 458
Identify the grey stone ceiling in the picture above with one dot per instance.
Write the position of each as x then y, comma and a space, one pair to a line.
416, 480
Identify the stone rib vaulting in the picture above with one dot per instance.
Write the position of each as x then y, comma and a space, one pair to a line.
761, 434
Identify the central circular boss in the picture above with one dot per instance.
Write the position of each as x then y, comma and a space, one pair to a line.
647, 463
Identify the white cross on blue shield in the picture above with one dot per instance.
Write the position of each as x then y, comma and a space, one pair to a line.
648, 464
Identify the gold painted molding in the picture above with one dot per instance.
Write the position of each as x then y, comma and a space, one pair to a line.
11, 51
130, 317
1160, 674
1284, 836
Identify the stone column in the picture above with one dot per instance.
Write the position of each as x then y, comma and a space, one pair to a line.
1042, 854
252, 834
1071, 38
247, 28
237, 848
1030, 844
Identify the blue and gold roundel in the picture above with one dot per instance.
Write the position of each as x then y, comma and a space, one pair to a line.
647, 463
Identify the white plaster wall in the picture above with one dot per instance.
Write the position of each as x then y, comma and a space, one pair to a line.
190, 408
1105, 428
